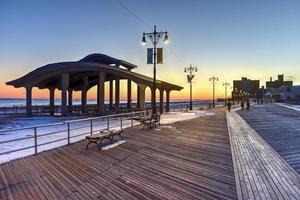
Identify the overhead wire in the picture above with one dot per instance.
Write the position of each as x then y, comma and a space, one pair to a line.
150, 27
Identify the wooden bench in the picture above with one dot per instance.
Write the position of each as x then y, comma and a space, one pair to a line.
103, 135
151, 122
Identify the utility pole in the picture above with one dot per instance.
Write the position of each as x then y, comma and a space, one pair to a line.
226, 84
154, 37
190, 70
213, 80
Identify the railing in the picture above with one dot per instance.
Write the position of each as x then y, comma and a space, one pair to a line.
35, 139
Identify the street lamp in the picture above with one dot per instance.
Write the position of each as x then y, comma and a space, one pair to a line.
155, 37
190, 77
214, 80
226, 84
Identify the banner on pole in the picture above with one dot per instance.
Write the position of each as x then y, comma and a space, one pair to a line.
159, 55
149, 55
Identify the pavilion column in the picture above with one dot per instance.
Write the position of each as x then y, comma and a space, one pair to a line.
141, 97
161, 101
52, 103
28, 100
111, 90
128, 93
138, 105
84, 94
64, 87
117, 95
167, 100
101, 92
70, 100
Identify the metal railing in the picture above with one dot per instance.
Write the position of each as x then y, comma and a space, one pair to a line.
34, 139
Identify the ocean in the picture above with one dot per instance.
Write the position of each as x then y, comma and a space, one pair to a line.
10, 102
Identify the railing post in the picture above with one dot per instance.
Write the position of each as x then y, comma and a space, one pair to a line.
35, 140
121, 121
107, 123
91, 126
68, 132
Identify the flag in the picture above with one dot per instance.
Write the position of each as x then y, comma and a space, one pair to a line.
159, 55
149, 55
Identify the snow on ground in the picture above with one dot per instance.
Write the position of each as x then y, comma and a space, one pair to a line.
172, 117
56, 135
291, 106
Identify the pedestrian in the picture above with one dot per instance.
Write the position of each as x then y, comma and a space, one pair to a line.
242, 105
229, 106
248, 105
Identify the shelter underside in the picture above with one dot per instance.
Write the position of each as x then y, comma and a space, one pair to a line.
93, 70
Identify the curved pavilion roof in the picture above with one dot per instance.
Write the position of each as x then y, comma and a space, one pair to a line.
49, 76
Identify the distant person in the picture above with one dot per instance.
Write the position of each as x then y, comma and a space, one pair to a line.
229, 106
242, 105
248, 105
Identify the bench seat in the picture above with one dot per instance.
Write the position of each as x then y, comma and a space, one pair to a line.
103, 135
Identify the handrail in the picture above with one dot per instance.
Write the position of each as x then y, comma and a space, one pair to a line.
65, 134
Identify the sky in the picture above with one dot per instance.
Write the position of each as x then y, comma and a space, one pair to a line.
229, 39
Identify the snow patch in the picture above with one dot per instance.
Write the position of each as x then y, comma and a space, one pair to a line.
113, 145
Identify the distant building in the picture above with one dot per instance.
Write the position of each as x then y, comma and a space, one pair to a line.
245, 86
282, 90
284, 94
279, 82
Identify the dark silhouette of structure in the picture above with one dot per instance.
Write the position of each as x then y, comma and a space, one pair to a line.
93, 70
190, 70
279, 82
245, 85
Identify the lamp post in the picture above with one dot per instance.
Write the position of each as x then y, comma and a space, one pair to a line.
190, 70
213, 80
226, 84
155, 37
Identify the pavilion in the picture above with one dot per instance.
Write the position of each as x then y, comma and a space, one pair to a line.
94, 69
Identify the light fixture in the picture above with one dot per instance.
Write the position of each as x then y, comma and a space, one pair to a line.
143, 40
166, 39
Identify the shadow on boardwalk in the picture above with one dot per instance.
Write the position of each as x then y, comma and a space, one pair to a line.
187, 160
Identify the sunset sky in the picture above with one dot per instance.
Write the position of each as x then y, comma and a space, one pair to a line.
224, 38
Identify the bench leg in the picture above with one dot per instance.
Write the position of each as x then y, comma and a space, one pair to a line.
98, 145
87, 146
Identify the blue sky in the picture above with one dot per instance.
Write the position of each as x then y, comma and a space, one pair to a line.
225, 38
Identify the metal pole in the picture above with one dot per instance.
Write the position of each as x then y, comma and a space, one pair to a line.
91, 127
226, 100
68, 132
108, 123
213, 93
35, 141
191, 103
154, 72
121, 122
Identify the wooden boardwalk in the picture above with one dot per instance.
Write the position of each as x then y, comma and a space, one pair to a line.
261, 173
280, 127
188, 160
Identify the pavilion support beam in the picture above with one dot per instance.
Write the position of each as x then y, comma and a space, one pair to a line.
84, 88
128, 93
161, 101
167, 101
117, 94
64, 88
141, 96
153, 100
52, 100
28, 100
101, 92
70, 99
111, 90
